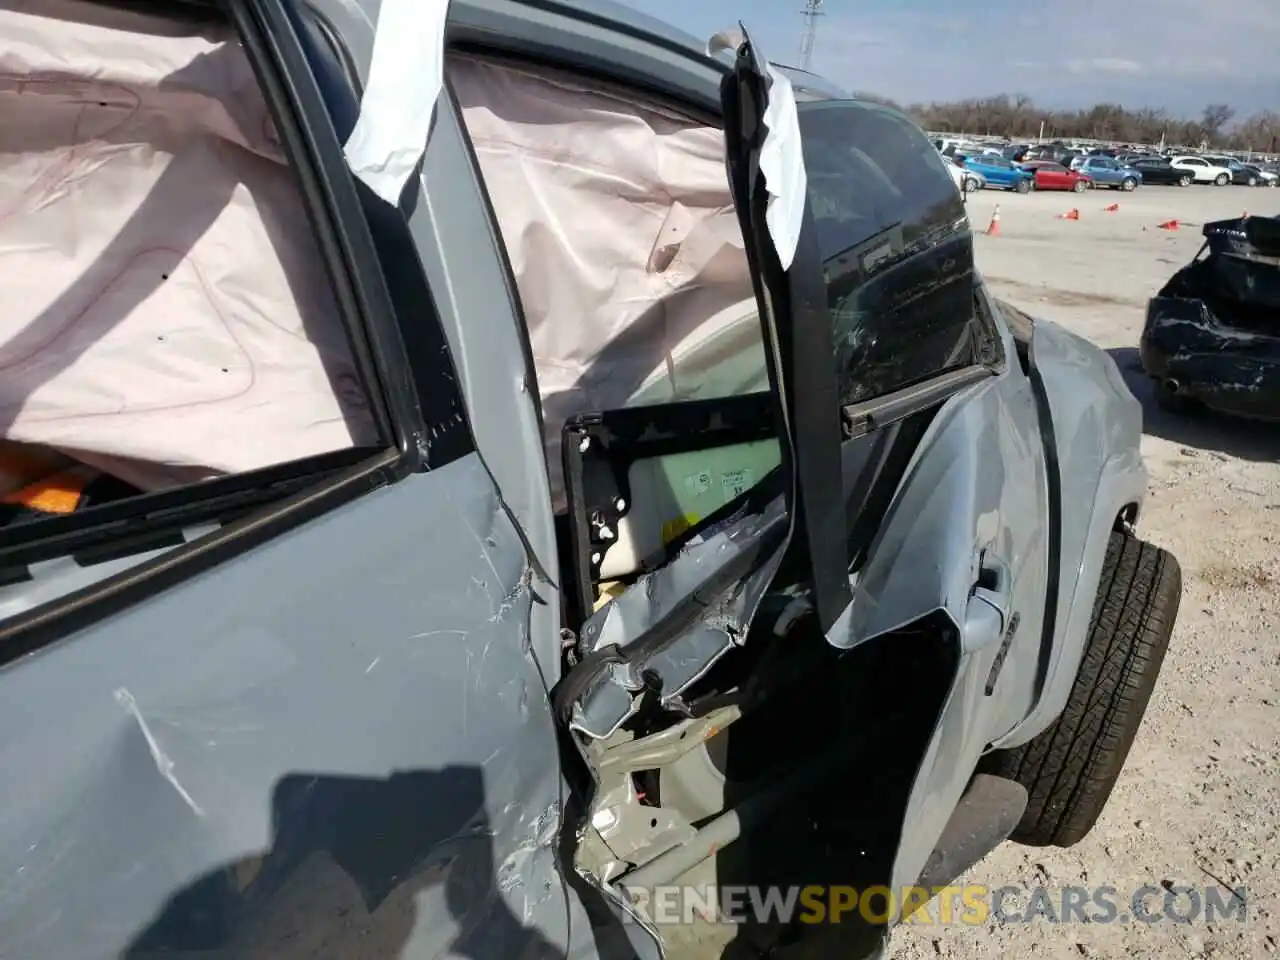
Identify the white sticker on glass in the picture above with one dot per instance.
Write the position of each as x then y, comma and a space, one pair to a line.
736, 482
698, 483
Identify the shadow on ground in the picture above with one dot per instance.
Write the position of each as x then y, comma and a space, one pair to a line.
1202, 429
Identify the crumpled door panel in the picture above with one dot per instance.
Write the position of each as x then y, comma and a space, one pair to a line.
966, 537
675, 623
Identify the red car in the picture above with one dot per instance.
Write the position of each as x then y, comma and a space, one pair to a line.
1054, 176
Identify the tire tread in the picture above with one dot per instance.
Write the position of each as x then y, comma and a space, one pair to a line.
1070, 769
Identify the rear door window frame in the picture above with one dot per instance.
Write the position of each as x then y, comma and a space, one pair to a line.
794, 306
987, 355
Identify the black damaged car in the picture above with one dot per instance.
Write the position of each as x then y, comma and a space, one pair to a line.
1212, 336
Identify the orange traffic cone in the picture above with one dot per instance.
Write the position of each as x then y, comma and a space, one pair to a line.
1168, 225
1072, 214
1112, 208
993, 228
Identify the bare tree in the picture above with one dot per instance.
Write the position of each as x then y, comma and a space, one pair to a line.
1016, 116
1214, 118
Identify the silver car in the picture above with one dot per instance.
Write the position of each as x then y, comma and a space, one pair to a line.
700, 521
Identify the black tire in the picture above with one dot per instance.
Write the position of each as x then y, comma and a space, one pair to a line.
1023, 186
1070, 769
1221, 180
1128, 184
1184, 181
1081, 186
1253, 181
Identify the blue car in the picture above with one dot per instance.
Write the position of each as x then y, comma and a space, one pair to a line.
999, 172
1108, 172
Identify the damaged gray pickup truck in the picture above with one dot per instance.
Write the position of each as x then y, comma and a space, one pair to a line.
652, 500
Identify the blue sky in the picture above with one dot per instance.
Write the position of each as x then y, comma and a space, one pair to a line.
1176, 54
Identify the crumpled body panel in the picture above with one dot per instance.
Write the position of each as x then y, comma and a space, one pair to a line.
1212, 333
159, 267
719, 580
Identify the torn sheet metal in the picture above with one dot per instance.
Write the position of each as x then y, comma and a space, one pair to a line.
1212, 333
726, 602
949, 511
406, 75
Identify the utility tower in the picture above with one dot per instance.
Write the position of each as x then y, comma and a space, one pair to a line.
812, 11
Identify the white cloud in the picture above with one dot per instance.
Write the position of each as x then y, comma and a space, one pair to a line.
954, 25
1104, 65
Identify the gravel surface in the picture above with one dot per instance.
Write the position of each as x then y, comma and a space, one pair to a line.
1198, 803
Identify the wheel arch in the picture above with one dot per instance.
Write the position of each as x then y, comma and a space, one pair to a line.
1097, 425
1120, 488
1127, 519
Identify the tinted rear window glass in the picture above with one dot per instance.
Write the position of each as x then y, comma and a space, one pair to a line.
896, 247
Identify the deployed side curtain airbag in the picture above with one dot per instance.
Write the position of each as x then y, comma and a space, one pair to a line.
164, 313
625, 246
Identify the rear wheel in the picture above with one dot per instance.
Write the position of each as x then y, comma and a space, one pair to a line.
1221, 179
1023, 186
1127, 184
1081, 186
1184, 181
1253, 181
1070, 769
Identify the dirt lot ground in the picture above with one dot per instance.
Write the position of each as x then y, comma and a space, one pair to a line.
1198, 803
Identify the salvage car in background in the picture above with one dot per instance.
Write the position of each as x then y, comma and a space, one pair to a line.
1265, 178
1202, 171
1056, 151
516, 572
966, 180
1242, 174
1054, 176
1158, 170
999, 172
1212, 335
1108, 172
